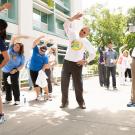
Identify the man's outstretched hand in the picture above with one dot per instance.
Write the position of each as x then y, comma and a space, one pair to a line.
76, 17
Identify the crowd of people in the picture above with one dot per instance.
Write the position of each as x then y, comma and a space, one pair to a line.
110, 62
43, 60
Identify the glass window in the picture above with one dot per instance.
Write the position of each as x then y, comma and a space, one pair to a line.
43, 17
60, 59
3, 1
12, 13
59, 24
36, 15
36, 11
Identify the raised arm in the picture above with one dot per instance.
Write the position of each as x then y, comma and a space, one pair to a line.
37, 41
5, 6
68, 25
121, 49
76, 17
16, 38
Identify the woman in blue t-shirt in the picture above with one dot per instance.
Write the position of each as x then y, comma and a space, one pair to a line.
15, 64
39, 61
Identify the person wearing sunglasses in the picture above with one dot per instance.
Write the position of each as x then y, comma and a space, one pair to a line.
12, 68
74, 60
39, 61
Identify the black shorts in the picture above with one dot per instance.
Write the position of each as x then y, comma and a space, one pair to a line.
34, 75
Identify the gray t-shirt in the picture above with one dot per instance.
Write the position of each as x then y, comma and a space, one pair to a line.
110, 56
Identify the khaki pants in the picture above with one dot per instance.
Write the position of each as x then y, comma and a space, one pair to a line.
133, 81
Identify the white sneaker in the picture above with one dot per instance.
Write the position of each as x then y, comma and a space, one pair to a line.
38, 98
2, 119
17, 103
7, 102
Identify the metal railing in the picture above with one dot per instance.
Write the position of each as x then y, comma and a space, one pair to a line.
60, 31
40, 25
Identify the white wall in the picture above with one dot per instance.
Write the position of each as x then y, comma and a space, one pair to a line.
12, 28
76, 6
26, 23
25, 16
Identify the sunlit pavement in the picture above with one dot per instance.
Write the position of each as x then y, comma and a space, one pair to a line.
106, 113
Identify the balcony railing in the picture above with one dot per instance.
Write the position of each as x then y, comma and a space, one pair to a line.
50, 3
62, 4
46, 1
40, 25
60, 31
4, 13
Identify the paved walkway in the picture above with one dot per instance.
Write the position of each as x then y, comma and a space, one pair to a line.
106, 114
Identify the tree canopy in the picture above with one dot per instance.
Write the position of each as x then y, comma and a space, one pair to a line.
106, 26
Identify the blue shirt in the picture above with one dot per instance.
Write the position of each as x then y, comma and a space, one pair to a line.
37, 60
101, 59
16, 60
110, 55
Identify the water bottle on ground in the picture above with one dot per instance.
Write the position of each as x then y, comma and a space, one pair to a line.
23, 99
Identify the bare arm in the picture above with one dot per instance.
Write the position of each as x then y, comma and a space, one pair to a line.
16, 38
20, 67
6, 58
76, 17
5, 6
121, 49
46, 66
37, 41
16, 70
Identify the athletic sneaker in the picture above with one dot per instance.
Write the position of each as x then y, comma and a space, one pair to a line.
131, 104
38, 98
7, 102
17, 103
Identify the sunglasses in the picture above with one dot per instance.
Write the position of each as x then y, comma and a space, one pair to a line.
84, 32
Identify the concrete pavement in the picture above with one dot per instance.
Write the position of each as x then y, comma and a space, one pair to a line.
106, 114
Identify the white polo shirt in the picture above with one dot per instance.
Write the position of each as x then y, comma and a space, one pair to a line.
77, 46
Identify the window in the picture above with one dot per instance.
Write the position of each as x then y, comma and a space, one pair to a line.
59, 24
11, 13
43, 17
61, 53
39, 16
36, 15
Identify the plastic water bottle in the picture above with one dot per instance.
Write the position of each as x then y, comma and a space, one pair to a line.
23, 99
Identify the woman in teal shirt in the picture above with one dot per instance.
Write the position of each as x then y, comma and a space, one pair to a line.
15, 64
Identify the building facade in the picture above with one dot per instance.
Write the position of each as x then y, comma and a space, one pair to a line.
38, 17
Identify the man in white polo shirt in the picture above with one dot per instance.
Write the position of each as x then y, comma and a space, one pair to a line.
74, 61
132, 103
